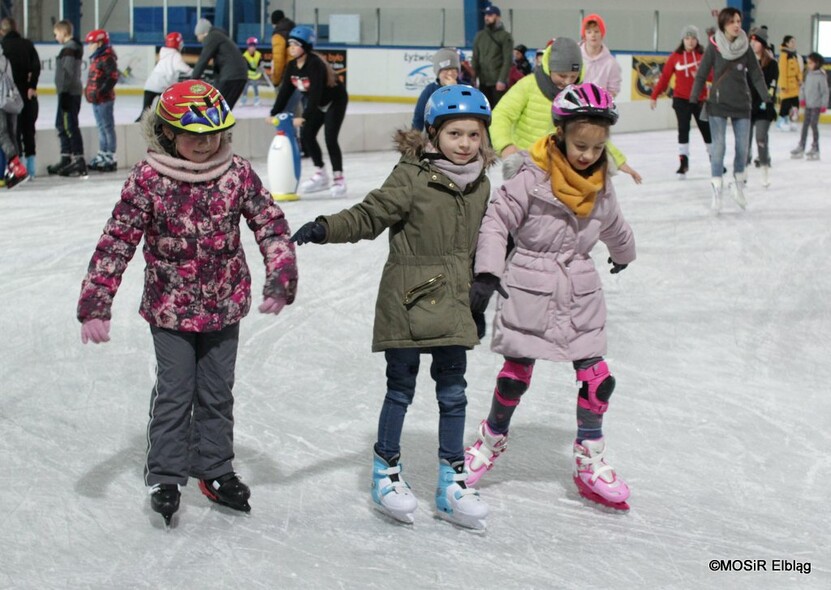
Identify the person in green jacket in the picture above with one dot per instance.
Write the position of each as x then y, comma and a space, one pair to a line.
524, 114
433, 203
493, 54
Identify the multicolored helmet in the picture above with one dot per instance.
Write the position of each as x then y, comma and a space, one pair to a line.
304, 34
174, 40
456, 101
194, 106
98, 35
252, 41
583, 99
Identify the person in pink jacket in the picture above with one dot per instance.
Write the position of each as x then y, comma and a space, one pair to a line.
186, 198
557, 206
600, 66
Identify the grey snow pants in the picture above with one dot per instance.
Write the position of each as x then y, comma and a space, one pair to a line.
191, 428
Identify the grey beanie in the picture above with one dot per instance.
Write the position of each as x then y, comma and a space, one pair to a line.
565, 56
446, 58
203, 25
689, 31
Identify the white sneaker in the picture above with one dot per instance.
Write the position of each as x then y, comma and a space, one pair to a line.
338, 188
318, 182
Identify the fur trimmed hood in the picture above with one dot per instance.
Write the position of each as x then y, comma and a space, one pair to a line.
412, 143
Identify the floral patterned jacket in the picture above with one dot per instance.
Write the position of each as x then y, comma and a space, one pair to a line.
196, 276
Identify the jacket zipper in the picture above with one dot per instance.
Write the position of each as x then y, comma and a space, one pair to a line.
423, 288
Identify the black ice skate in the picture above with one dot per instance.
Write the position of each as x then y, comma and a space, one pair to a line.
227, 490
76, 168
683, 167
164, 499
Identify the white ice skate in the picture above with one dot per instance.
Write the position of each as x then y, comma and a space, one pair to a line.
457, 503
812, 154
765, 176
391, 494
338, 188
318, 182
595, 479
737, 189
797, 152
716, 183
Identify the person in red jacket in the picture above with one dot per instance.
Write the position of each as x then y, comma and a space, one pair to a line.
100, 92
683, 64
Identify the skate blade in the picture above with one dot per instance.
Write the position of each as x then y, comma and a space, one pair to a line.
588, 494
468, 523
398, 517
285, 197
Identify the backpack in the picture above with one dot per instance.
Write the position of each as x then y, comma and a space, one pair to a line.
10, 100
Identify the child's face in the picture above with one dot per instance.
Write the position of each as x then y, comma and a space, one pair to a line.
295, 48
517, 54
690, 43
593, 36
59, 36
252, 49
460, 139
563, 79
584, 144
195, 147
811, 64
448, 76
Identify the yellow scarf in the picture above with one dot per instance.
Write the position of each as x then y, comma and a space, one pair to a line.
574, 191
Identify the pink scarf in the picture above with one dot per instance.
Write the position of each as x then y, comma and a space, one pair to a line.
187, 171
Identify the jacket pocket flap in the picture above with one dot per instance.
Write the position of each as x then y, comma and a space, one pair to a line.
586, 282
534, 281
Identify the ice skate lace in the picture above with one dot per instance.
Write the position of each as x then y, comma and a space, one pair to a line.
156, 487
596, 465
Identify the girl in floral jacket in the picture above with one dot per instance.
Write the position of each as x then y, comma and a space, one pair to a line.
186, 198
557, 206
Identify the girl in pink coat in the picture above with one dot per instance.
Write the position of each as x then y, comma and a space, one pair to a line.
556, 208
186, 198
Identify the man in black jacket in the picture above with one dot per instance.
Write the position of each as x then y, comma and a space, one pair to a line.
25, 64
230, 68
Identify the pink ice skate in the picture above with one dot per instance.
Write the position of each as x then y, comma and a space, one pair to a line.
480, 456
595, 479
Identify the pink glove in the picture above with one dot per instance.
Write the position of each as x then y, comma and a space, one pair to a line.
96, 330
273, 305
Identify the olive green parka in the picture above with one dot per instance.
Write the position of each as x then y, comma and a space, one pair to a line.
423, 298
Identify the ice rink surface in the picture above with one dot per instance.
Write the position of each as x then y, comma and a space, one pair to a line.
718, 337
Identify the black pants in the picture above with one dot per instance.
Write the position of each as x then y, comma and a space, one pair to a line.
25, 136
684, 111
331, 122
149, 97
66, 122
231, 90
787, 104
491, 93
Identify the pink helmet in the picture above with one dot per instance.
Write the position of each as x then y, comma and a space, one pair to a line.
583, 99
252, 41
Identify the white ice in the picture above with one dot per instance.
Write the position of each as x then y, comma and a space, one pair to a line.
718, 338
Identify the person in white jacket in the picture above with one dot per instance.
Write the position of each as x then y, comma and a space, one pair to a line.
169, 68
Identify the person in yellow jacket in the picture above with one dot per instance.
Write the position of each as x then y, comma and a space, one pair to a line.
790, 81
279, 45
255, 71
523, 115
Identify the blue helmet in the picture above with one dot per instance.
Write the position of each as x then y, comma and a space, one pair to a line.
459, 100
305, 35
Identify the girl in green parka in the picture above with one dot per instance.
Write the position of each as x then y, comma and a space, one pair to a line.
433, 203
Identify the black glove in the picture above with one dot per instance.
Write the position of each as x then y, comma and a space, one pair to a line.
312, 231
616, 268
482, 290
481, 325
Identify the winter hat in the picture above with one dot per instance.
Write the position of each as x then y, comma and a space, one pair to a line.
689, 31
521, 48
593, 18
203, 25
444, 59
493, 10
277, 16
564, 56
760, 35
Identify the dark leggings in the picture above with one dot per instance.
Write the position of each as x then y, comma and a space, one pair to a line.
26, 126
787, 104
684, 111
331, 121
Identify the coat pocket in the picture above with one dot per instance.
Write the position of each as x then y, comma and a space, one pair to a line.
429, 312
529, 297
588, 307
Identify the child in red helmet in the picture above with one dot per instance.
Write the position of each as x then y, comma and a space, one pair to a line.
186, 198
100, 92
168, 70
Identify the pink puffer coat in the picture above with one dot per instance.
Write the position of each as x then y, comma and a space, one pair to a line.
555, 310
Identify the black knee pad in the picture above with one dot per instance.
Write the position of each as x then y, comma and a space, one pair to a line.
511, 388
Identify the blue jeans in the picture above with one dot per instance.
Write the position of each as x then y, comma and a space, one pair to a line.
741, 134
106, 126
448, 371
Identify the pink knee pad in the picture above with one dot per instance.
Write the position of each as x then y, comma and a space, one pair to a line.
517, 372
598, 385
